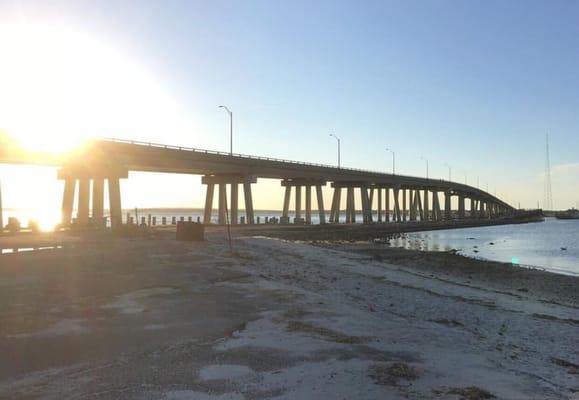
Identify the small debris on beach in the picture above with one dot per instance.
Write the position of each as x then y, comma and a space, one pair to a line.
471, 393
389, 376
572, 367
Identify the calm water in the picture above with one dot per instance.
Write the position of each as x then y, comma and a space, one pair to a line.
551, 245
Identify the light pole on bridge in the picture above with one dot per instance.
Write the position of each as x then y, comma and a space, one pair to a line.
230, 128
338, 140
426, 166
393, 160
449, 172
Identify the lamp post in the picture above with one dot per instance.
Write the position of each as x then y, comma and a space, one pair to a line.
230, 128
338, 140
426, 166
393, 161
449, 172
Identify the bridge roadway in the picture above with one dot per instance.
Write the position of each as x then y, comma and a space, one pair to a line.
111, 160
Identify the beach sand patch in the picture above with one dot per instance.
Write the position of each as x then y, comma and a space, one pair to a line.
128, 303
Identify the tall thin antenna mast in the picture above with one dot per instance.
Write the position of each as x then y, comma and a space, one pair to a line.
548, 199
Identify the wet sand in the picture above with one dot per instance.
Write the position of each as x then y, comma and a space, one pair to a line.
152, 318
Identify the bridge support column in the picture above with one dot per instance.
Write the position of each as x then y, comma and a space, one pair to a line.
419, 205
234, 203
115, 203
447, 206
321, 210
297, 183
411, 206
366, 205
397, 213
208, 203
461, 206
404, 205
98, 202
379, 204
298, 202
308, 204
426, 206
481, 209
472, 208
221, 219
350, 211
249, 213
83, 201
387, 205
222, 181
335, 210
286, 204
436, 206
68, 201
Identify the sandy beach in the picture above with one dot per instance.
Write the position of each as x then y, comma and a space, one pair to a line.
152, 318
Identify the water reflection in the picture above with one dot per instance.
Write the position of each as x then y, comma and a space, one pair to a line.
552, 245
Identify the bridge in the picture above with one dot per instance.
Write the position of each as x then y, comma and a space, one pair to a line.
388, 197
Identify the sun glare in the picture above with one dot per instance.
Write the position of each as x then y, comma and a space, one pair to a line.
59, 87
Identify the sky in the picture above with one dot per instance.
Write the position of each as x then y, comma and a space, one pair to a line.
476, 86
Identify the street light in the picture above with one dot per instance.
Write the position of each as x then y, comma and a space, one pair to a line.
426, 166
230, 128
449, 172
393, 161
338, 140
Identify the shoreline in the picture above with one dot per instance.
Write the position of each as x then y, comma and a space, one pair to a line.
507, 278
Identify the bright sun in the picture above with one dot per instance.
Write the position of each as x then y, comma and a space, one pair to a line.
59, 87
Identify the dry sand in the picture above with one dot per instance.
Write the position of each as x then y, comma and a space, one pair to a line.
158, 319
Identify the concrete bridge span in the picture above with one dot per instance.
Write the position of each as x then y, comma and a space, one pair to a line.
110, 160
